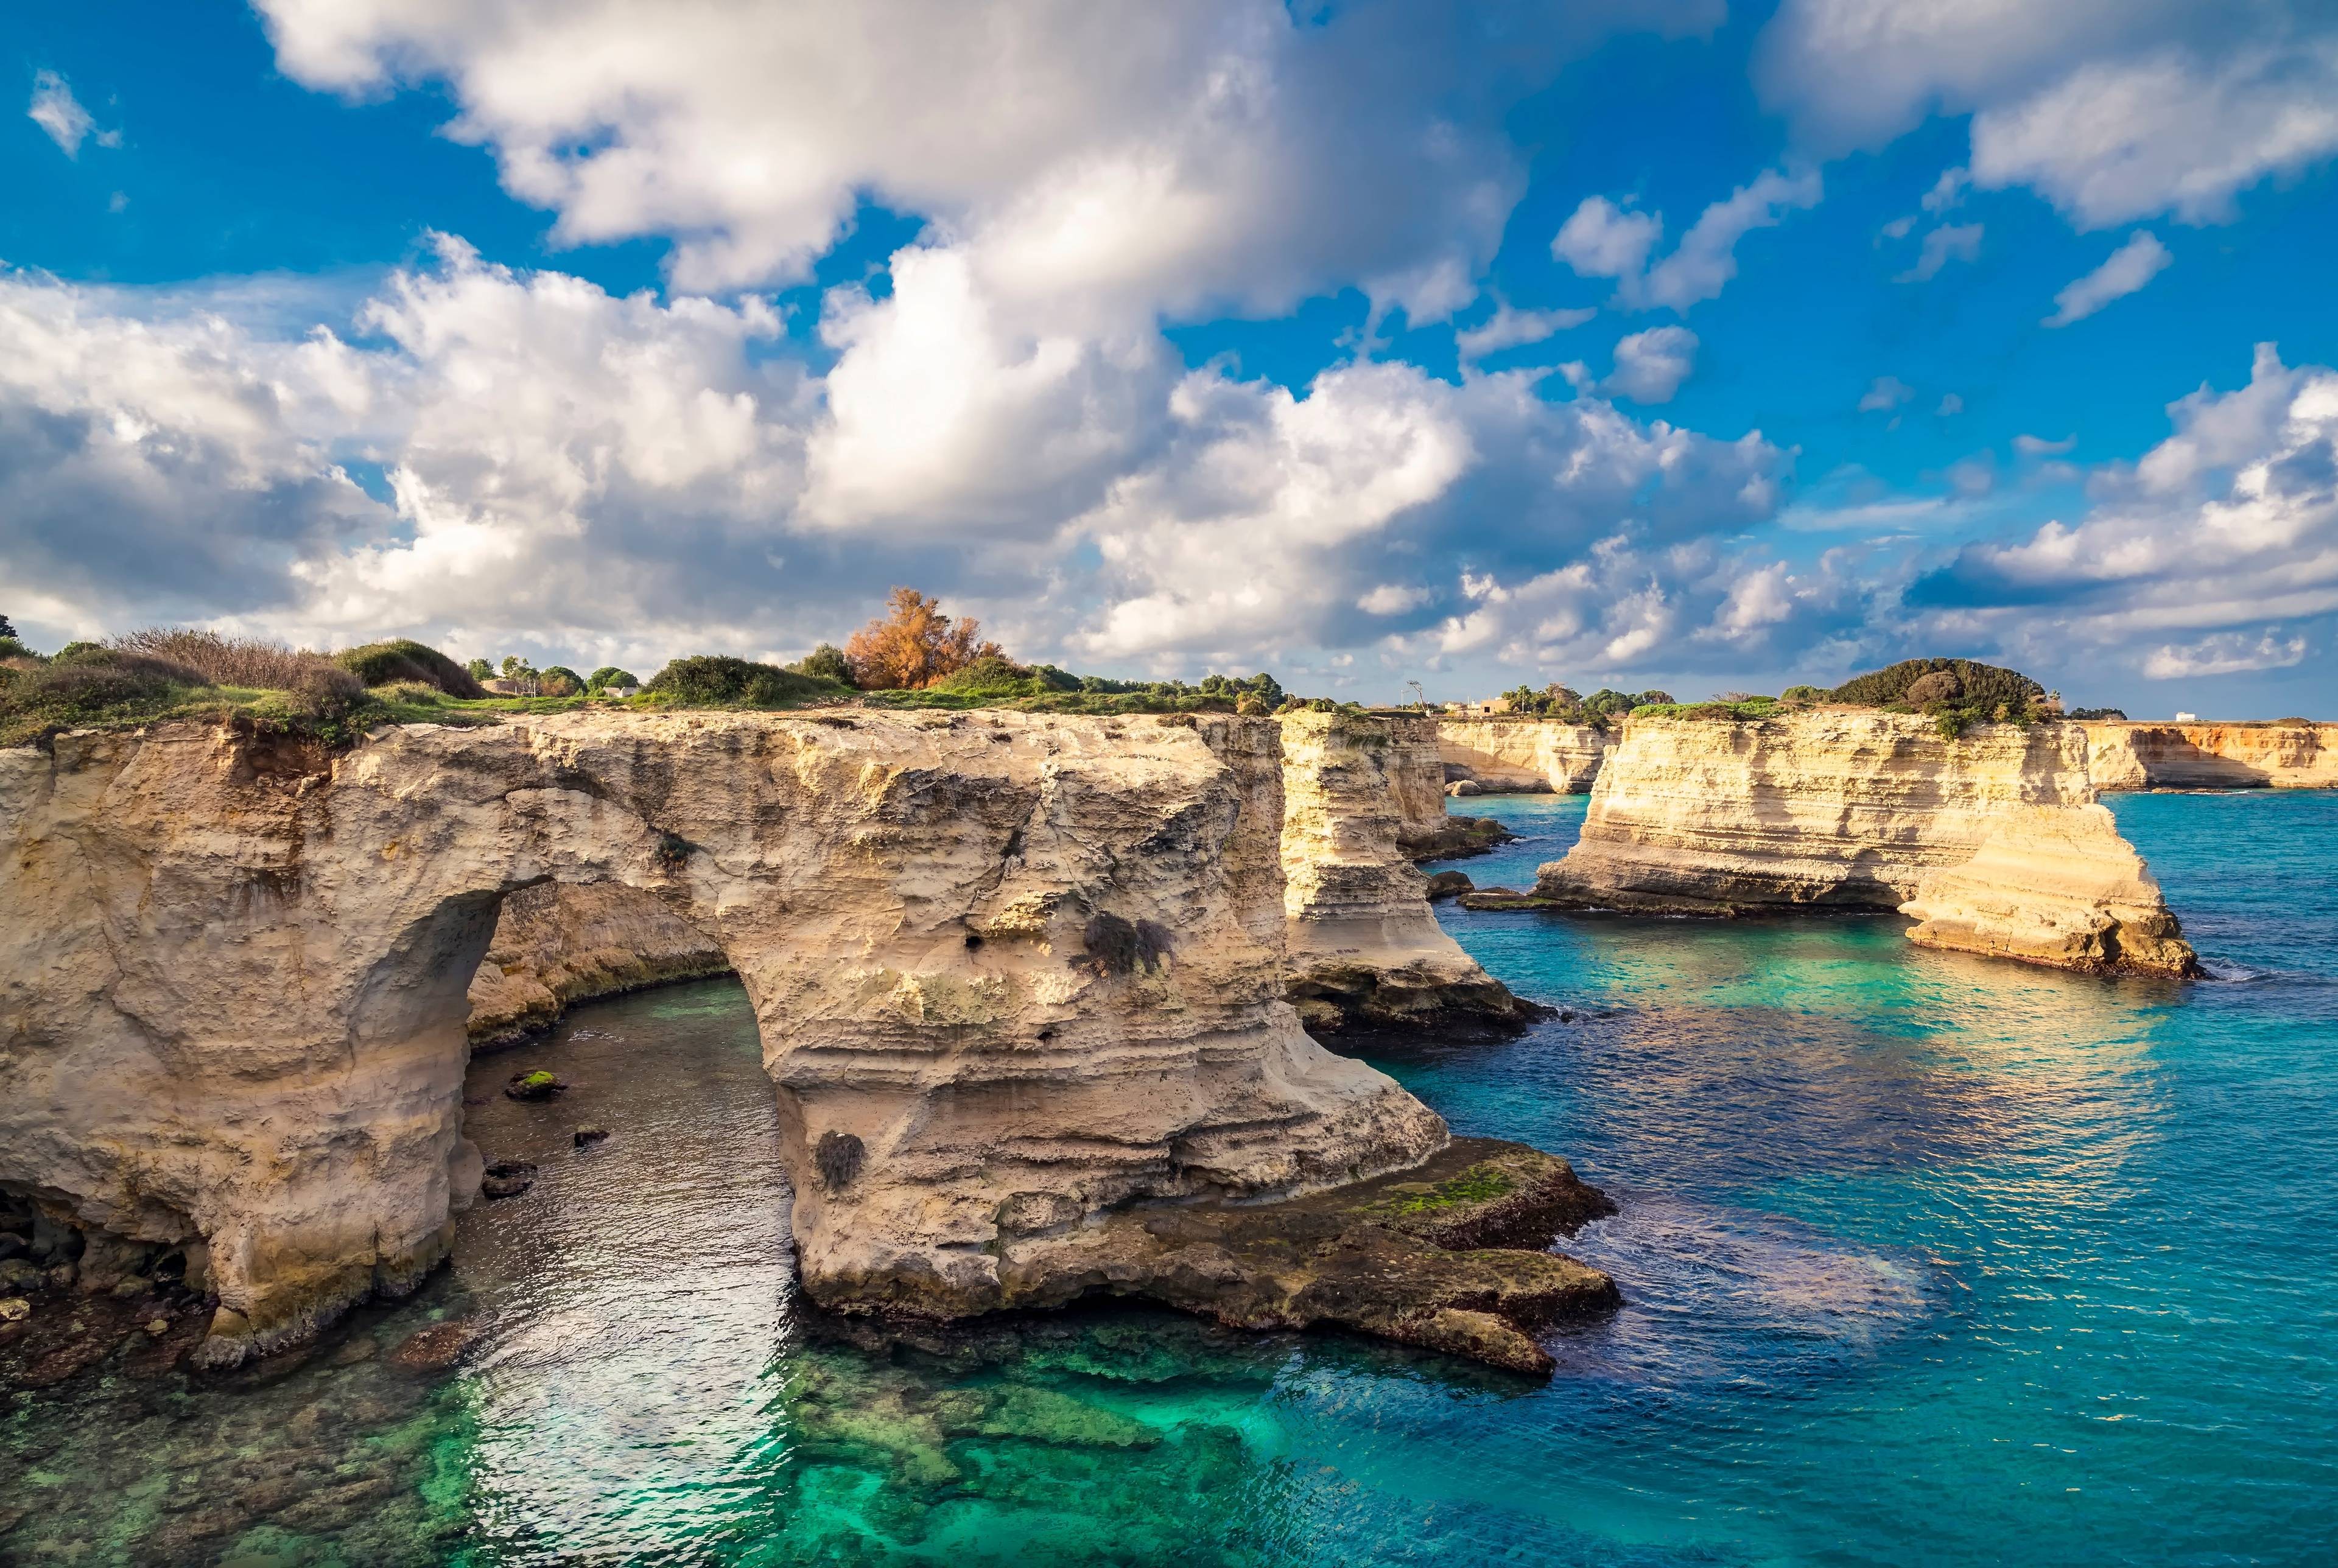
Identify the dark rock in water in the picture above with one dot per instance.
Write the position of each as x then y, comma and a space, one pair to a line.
537, 1085
1505, 898
1449, 884
1566, 1014
587, 1135
838, 1156
1446, 1256
508, 1178
435, 1349
1455, 838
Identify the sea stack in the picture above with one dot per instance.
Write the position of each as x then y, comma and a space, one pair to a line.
1991, 838
1365, 950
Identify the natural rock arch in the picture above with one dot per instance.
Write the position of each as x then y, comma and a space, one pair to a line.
236, 976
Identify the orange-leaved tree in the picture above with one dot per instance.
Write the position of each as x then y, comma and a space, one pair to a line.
915, 645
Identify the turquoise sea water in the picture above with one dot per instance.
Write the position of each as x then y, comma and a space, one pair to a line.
1928, 1260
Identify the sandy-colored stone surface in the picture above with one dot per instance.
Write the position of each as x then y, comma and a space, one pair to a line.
2122, 755
1992, 840
1523, 756
1365, 950
1011, 971
560, 943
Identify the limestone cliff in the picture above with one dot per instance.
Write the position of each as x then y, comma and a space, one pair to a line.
2281, 755
1415, 770
1992, 840
1012, 972
1528, 756
560, 943
1365, 951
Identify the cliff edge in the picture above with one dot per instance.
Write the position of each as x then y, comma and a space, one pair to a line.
2284, 754
1522, 755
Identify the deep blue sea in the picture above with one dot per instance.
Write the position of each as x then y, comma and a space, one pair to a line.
1928, 1260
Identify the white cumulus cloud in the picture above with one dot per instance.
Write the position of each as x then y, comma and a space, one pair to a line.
1650, 366
2112, 109
1601, 239
2226, 653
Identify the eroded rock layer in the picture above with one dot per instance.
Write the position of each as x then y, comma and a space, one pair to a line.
1522, 755
1011, 972
1992, 840
2281, 755
560, 943
1364, 950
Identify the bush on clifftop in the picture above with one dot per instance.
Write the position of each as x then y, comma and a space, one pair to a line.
403, 659
717, 681
1921, 682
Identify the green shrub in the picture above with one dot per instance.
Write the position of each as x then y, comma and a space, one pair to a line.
992, 675
558, 681
1976, 686
716, 680
480, 670
403, 659
609, 675
1954, 693
11, 648
2121, 714
1802, 694
825, 662
80, 653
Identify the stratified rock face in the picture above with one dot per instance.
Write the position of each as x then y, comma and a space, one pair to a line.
1522, 755
561, 943
1992, 840
1365, 952
2053, 885
1010, 972
2281, 756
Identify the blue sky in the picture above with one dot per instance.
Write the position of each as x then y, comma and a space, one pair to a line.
1702, 346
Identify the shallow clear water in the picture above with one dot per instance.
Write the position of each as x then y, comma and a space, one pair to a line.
1929, 1260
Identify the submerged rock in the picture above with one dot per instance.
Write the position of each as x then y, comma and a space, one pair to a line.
589, 1135
437, 1347
538, 1085
508, 1178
